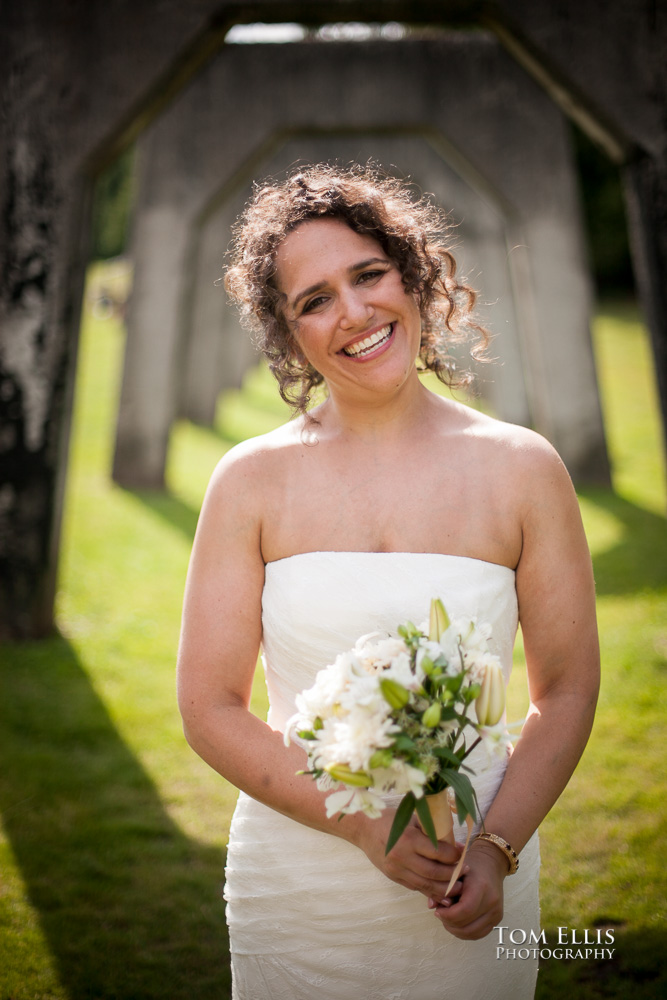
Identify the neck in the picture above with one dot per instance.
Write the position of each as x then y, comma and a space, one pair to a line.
376, 417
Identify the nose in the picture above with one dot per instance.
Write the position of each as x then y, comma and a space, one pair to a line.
355, 311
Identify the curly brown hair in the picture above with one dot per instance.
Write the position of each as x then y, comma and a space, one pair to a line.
414, 233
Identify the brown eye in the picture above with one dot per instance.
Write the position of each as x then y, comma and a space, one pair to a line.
367, 276
313, 303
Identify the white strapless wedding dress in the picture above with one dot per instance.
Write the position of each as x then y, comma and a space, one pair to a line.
309, 915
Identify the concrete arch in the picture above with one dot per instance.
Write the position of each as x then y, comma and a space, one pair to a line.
79, 84
482, 224
506, 142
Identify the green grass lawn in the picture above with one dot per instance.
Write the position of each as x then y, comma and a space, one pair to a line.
113, 833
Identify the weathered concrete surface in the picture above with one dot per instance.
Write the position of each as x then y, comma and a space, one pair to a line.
216, 353
606, 65
70, 76
497, 155
77, 80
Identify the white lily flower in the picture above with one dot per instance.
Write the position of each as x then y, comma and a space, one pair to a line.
338, 801
401, 671
362, 800
399, 778
376, 653
495, 740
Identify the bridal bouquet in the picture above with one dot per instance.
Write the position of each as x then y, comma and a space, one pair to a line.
401, 716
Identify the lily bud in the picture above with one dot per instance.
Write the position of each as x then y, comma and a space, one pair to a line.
341, 772
438, 620
431, 716
381, 758
490, 703
394, 693
427, 665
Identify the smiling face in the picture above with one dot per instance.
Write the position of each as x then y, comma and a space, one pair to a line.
347, 307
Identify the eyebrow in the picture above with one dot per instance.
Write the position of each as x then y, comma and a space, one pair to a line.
322, 284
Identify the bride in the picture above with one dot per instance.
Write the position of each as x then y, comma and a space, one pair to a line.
348, 520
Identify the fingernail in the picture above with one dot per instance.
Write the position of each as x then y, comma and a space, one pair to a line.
466, 869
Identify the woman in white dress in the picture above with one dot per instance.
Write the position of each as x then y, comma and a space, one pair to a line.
347, 520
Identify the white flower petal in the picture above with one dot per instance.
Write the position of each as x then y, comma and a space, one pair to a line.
337, 801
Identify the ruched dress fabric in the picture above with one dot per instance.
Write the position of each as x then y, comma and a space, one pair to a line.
308, 914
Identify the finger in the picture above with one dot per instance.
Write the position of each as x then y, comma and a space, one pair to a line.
435, 889
462, 920
452, 895
462, 910
445, 852
473, 931
422, 871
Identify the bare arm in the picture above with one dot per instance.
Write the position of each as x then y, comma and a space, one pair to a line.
220, 639
557, 612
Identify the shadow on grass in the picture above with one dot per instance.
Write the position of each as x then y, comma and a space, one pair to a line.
637, 969
172, 510
639, 561
129, 906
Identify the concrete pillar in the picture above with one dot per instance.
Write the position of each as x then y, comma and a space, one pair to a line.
73, 79
646, 198
217, 352
605, 65
177, 157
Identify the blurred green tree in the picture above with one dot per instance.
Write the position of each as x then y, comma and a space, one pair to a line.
112, 207
604, 213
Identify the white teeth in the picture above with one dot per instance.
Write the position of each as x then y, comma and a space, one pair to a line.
363, 346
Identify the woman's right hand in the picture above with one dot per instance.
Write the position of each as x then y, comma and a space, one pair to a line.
413, 861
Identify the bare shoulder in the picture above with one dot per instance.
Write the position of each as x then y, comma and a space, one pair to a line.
511, 452
226, 571
250, 469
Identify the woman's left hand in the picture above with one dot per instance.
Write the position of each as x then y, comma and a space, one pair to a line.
479, 908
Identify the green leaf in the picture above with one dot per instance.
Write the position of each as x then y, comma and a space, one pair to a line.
448, 755
464, 792
409, 631
439, 680
426, 819
401, 819
454, 683
403, 742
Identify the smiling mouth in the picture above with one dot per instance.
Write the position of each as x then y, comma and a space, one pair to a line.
369, 343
